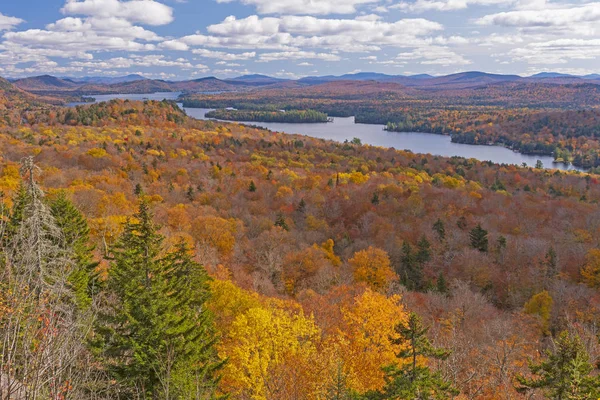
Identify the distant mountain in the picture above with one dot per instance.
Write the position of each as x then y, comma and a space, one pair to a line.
468, 80
104, 80
257, 78
591, 76
44, 83
544, 75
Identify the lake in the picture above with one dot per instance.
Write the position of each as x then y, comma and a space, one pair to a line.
342, 129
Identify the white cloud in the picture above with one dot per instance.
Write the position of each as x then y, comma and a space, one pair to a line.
142, 11
7, 22
298, 55
564, 16
446, 5
434, 55
303, 7
224, 56
293, 33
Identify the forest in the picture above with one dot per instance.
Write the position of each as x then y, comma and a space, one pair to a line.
147, 255
532, 118
292, 116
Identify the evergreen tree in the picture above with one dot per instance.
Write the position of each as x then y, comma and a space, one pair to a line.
566, 374
441, 284
157, 337
551, 263
252, 187
280, 222
479, 239
423, 250
410, 379
501, 244
301, 206
190, 193
375, 199
411, 273
138, 191
439, 228
75, 240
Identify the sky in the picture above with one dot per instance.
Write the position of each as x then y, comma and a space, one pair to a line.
189, 39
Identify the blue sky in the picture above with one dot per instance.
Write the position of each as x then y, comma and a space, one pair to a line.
182, 39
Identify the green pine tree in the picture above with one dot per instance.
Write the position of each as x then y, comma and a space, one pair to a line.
479, 239
441, 284
423, 250
439, 228
280, 222
565, 374
409, 379
252, 187
76, 240
411, 271
157, 338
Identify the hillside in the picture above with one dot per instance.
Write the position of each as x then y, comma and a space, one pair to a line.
313, 245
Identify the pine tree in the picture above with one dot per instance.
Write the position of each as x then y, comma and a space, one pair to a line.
409, 379
439, 228
375, 199
566, 374
551, 263
441, 285
411, 273
252, 187
157, 338
423, 250
301, 206
280, 222
83, 279
479, 239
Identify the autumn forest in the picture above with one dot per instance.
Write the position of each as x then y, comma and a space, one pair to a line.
148, 255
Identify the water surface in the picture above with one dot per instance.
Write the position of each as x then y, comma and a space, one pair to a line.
342, 129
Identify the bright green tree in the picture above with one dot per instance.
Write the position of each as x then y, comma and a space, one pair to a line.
411, 379
479, 239
157, 337
565, 374
76, 240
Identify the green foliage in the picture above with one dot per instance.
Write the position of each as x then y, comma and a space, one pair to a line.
76, 241
280, 222
252, 187
565, 374
479, 239
439, 228
156, 335
293, 116
412, 380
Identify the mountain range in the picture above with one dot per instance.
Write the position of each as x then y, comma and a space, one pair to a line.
72, 87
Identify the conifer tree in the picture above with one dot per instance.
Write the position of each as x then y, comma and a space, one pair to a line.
83, 279
410, 378
565, 374
423, 250
479, 239
252, 187
551, 263
157, 338
439, 228
280, 222
411, 273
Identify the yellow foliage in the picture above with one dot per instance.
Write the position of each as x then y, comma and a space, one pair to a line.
590, 273
372, 266
368, 338
216, 232
97, 152
540, 305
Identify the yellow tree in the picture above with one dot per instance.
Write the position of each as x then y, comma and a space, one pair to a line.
540, 305
268, 343
367, 338
590, 273
372, 266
